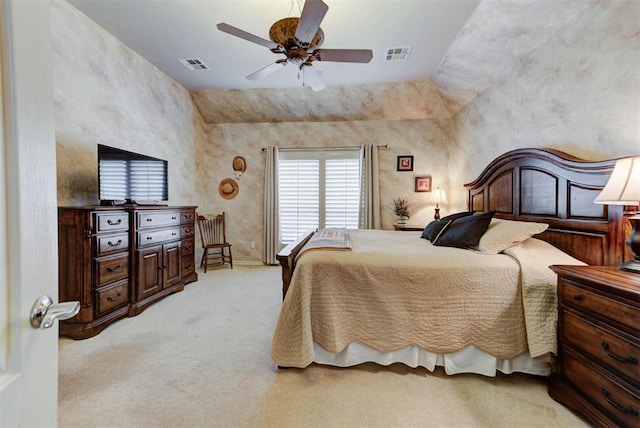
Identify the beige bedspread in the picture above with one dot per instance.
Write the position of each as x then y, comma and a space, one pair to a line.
395, 290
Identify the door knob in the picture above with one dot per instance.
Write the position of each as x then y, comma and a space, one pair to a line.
44, 312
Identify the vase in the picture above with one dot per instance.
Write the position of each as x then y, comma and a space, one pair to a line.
402, 220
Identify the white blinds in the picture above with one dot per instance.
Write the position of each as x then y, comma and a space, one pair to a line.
318, 190
342, 193
299, 203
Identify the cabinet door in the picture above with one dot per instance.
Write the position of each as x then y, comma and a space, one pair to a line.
149, 279
171, 265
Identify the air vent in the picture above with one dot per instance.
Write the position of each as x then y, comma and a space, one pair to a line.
193, 64
398, 54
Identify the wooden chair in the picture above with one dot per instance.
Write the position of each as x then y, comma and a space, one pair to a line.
214, 240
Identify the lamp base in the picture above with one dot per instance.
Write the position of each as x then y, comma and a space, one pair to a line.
634, 243
437, 214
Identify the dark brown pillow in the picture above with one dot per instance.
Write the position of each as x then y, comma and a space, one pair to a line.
433, 228
464, 232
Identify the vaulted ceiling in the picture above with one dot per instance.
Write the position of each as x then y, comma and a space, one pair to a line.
461, 46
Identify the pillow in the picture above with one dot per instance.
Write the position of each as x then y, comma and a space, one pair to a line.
464, 232
433, 228
503, 234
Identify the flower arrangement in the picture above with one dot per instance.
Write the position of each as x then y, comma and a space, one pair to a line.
401, 207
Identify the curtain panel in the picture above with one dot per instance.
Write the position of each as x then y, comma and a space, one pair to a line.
370, 195
271, 208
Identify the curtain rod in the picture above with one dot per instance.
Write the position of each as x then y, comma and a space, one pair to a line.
316, 149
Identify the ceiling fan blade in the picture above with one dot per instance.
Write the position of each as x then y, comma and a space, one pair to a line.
248, 36
312, 15
344, 55
312, 79
267, 70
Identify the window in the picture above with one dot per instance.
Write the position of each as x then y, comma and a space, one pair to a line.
318, 189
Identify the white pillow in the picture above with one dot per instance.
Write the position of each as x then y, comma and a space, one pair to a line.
503, 234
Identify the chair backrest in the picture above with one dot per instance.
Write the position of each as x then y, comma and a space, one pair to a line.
212, 229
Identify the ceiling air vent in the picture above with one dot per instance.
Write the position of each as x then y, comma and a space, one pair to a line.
193, 64
398, 54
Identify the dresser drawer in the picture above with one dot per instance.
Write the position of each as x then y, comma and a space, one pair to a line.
110, 221
111, 269
188, 216
155, 219
112, 297
187, 230
621, 402
188, 245
111, 243
602, 344
146, 239
188, 267
616, 311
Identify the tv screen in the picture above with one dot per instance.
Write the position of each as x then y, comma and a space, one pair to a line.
127, 177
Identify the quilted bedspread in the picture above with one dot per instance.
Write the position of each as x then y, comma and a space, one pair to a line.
394, 290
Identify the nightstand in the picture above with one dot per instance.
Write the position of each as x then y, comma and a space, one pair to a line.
597, 369
408, 228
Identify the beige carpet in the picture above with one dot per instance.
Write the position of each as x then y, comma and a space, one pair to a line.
201, 358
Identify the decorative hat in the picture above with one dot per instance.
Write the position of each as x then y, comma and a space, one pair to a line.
239, 164
228, 188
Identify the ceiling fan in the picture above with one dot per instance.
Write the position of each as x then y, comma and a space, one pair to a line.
299, 39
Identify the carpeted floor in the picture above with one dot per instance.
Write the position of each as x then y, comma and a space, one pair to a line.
201, 358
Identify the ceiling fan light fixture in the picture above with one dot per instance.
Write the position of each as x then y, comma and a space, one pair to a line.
299, 39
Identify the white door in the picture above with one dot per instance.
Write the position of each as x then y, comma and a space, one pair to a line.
28, 218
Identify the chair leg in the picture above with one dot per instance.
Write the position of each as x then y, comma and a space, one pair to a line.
205, 259
230, 257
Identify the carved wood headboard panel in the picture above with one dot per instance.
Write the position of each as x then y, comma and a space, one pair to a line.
553, 187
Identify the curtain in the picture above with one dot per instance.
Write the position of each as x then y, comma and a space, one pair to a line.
370, 196
271, 208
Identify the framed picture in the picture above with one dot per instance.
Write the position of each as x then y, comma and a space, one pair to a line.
423, 183
405, 163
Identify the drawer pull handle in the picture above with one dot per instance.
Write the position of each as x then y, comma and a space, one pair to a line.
173, 234
187, 230
149, 238
630, 359
114, 298
629, 409
114, 269
149, 219
117, 244
576, 297
174, 218
111, 223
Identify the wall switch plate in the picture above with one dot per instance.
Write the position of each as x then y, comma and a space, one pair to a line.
252, 244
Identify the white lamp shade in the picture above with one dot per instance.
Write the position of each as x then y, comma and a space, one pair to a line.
623, 187
438, 197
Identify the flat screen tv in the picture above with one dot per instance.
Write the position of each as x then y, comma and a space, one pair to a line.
131, 178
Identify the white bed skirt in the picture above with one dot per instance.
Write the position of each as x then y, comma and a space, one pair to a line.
467, 360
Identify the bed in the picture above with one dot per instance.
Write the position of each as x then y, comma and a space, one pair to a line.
394, 297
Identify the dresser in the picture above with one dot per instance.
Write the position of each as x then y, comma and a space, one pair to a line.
119, 260
597, 369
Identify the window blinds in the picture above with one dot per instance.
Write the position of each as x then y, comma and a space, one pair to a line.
318, 190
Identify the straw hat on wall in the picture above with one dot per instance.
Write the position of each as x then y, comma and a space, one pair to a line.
228, 188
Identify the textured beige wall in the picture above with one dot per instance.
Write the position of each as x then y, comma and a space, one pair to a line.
426, 140
579, 92
106, 93
386, 101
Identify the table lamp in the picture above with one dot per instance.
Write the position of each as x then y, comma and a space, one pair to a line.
623, 188
438, 197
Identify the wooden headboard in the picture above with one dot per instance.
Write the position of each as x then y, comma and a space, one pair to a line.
552, 187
